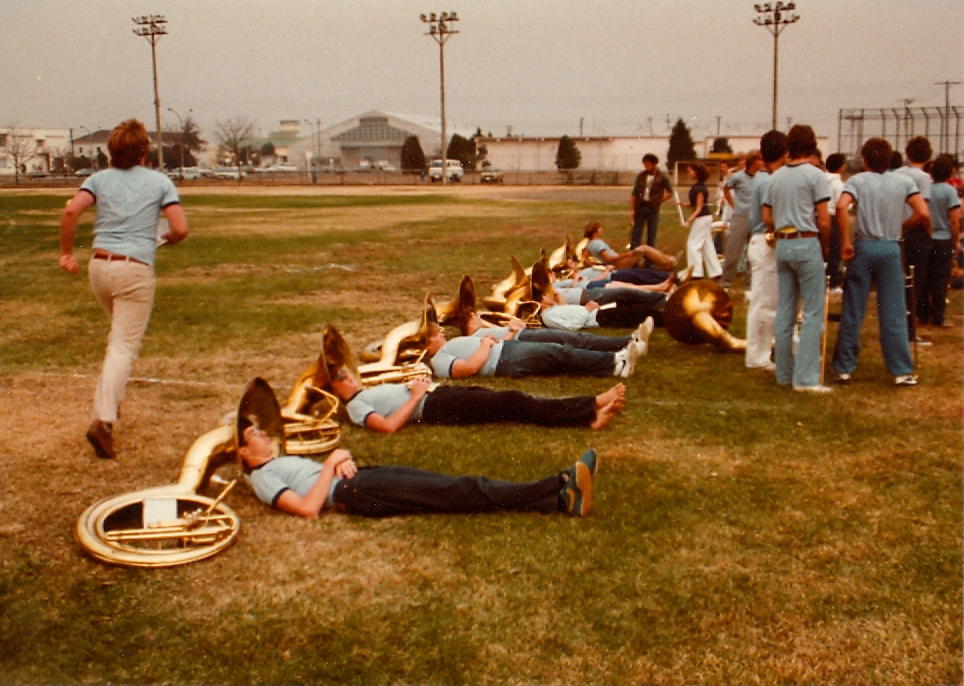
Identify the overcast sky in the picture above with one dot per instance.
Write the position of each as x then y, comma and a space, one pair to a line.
537, 65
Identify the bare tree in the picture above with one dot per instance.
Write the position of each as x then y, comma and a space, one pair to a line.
20, 147
231, 134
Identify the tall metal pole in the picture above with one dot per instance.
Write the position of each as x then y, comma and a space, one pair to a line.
438, 28
946, 123
151, 27
775, 16
180, 124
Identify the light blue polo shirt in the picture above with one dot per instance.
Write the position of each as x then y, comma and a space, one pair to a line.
741, 184
597, 247
128, 202
284, 473
943, 200
760, 182
921, 179
793, 193
384, 399
880, 199
462, 348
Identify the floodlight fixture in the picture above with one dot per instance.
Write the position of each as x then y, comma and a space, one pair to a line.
775, 17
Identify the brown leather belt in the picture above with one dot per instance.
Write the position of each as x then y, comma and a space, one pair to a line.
111, 257
783, 234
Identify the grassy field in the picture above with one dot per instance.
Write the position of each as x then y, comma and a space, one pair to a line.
740, 533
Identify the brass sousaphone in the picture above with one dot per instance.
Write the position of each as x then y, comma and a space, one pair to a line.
701, 312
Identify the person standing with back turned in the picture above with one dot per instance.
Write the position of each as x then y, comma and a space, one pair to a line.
129, 198
797, 193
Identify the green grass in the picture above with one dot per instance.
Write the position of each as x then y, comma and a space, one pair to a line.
740, 533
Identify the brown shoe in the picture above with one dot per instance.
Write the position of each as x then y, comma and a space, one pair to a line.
99, 436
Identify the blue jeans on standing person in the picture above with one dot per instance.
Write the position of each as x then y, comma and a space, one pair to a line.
874, 261
519, 358
646, 217
800, 273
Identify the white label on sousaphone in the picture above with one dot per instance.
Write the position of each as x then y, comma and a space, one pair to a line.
159, 510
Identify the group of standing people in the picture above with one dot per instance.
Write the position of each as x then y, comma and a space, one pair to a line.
791, 218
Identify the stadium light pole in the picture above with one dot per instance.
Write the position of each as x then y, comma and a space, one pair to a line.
775, 16
438, 28
151, 27
180, 124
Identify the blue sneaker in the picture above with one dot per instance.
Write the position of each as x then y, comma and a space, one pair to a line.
577, 491
591, 460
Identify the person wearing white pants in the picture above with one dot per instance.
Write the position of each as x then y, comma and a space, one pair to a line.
763, 259
699, 245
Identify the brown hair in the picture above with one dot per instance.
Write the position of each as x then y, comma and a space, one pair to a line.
128, 143
876, 154
701, 172
918, 150
942, 169
801, 141
590, 229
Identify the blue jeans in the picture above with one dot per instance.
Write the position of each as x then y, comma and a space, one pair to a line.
586, 341
639, 276
388, 491
523, 359
800, 273
874, 261
646, 217
625, 296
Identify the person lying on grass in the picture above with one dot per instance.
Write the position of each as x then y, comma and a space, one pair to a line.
303, 487
517, 330
386, 408
466, 356
576, 317
636, 257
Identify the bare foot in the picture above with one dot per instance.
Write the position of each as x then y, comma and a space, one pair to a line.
617, 391
607, 413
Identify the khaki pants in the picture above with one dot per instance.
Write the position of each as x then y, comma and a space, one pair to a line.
126, 292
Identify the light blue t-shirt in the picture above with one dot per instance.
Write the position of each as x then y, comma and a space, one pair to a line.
760, 182
922, 180
284, 473
880, 199
462, 348
568, 317
793, 194
384, 399
597, 247
943, 200
572, 296
128, 203
741, 184
497, 332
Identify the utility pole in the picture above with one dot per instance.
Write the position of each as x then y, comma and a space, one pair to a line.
775, 16
180, 124
150, 27
438, 28
718, 120
580, 126
946, 121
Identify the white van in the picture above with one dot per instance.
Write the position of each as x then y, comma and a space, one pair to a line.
453, 169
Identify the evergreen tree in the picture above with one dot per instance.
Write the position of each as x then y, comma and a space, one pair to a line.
568, 155
413, 158
722, 145
680, 145
463, 150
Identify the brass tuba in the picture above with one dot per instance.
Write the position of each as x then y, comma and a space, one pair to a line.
701, 312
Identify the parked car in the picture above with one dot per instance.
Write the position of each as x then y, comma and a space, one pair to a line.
280, 168
491, 175
186, 173
223, 173
84, 172
453, 169
385, 166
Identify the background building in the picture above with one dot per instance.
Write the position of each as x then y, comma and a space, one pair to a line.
33, 150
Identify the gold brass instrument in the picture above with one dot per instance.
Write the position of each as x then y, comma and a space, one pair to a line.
501, 293
167, 525
701, 312
401, 353
309, 424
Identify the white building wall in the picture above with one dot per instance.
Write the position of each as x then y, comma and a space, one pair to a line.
45, 144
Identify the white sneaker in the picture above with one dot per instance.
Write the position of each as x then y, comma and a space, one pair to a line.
906, 380
644, 330
684, 276
813, 389
625, 361
642, 347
